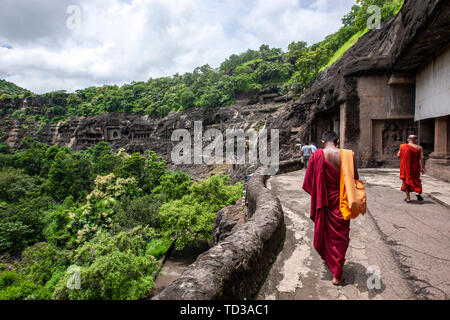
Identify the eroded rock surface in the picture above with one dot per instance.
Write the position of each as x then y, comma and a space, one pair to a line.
228, 220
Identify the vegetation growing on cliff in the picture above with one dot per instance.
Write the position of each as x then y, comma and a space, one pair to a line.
9, 88
207, 87
110, 216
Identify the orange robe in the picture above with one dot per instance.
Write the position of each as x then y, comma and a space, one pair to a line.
353, 200
410, 169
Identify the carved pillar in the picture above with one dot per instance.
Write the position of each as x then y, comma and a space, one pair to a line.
441, 137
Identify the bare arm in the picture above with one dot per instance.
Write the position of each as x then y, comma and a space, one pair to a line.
398, 154
422, 161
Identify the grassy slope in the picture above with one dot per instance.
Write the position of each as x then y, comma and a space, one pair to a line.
340, 52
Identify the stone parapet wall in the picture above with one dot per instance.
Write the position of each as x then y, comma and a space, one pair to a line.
438, 168
236, 267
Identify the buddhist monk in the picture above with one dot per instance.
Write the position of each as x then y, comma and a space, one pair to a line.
331, 231
412, 164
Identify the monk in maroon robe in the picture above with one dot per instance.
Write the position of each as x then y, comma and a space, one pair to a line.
412, 164
331, 231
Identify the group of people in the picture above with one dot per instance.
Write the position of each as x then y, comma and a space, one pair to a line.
323, 181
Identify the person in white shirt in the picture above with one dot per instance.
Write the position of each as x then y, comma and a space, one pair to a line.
307, 152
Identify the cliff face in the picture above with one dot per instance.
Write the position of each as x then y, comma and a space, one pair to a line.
137, 133
399, 48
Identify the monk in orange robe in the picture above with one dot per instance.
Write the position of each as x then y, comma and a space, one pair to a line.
412, 164
322, 182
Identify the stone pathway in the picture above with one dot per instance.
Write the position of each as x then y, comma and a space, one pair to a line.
438, 190
408, 244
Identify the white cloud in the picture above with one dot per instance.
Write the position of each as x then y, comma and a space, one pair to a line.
120, 41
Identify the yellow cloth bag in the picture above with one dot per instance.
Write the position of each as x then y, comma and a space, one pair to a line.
352, 198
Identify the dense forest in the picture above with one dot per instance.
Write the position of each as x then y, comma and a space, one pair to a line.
208, 87
114, 215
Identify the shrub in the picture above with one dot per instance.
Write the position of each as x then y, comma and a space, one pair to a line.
117, 276
140, 211
101, 207
135, 241
158, 247
186, 219
14, 286
41, 260
192, 217
56, 231
118, 267
217, 192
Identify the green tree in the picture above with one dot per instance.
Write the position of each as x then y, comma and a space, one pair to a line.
116, 276
32, 158
4, 148
68, 176
14, 236
104, 160
16, 185
21, 225
173, 185
309, 65
132, 166
154, 169
142, 211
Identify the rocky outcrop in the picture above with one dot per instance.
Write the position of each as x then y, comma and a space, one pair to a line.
400, 47
229, 220
137, 133
235, 268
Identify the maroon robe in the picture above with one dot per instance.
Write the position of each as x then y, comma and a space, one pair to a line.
410, 169
331, 231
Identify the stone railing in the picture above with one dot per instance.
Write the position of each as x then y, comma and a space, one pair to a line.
236, 267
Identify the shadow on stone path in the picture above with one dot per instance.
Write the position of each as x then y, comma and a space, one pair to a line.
387, 239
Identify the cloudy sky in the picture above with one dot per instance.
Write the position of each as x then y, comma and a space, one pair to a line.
50, 45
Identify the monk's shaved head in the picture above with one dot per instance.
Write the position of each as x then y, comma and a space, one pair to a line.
330, 136
412, 138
